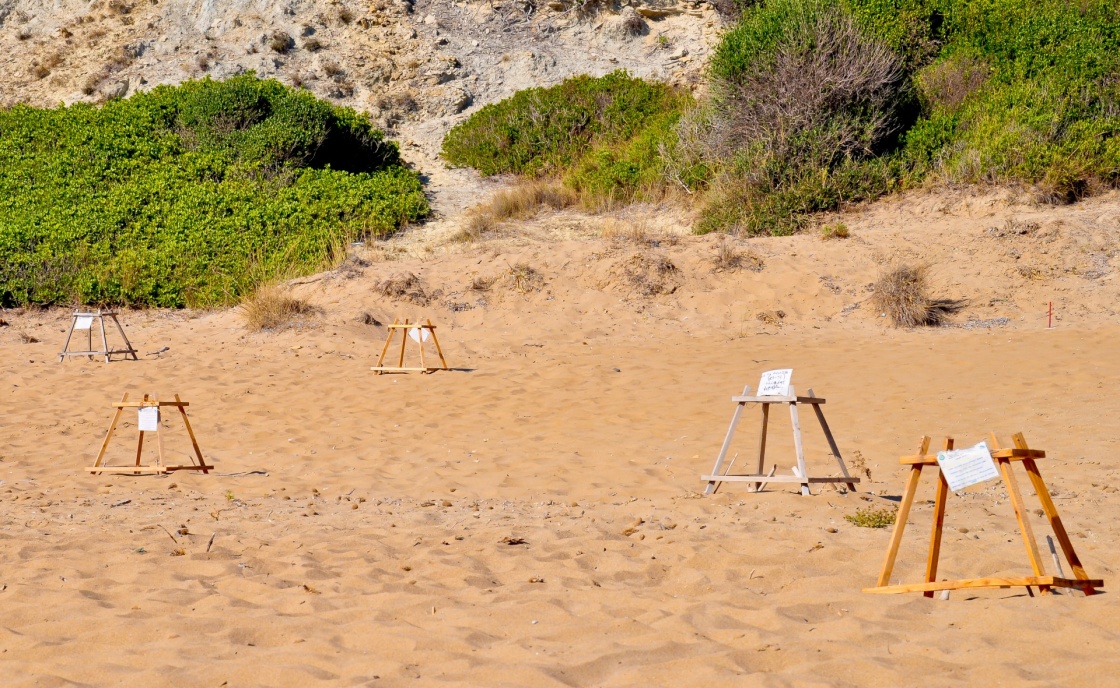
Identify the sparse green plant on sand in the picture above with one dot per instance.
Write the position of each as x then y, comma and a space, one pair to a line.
871, 517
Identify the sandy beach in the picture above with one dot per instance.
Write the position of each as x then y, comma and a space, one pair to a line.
535, 516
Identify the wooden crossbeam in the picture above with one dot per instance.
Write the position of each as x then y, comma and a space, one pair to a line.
1040, 581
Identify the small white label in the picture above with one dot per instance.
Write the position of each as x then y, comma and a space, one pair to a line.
775, 383
419, 334
83, 322
965, 467
148, 419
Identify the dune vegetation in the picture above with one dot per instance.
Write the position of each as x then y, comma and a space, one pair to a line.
190, 195
813, 104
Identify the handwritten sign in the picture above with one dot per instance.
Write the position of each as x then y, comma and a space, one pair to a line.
148, 419
83, 322
775, 382
419, 334
965, 467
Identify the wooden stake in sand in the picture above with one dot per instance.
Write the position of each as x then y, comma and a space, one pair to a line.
85, 321
1003, 459
759, 478
417, 332
148, 420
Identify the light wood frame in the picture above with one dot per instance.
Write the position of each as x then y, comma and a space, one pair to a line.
1004, 458
159, 466
403, 328
715, 479
98, 318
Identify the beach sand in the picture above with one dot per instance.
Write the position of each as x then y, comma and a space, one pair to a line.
534, 517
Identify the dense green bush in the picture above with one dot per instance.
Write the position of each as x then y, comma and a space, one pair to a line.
601, 135
990, 91
189, 196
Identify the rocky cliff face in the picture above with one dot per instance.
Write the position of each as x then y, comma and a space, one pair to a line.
404, 61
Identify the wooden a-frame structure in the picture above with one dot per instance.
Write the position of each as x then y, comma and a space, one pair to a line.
759, 478
1004, 459
198, 463
422, 332
81, 320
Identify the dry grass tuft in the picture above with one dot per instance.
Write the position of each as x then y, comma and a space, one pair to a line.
902, 293
274, 308
26, 338
727, 258
482, 283
622, 232
518, 203
650, 274
404, 286
836, 230
281, 42
524, 278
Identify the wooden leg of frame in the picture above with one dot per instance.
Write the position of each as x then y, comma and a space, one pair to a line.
436, 342
66, 346
108, 435
385, 349
1052, 514
900, 524
104, 339
938, 524
423, 365
404, 338
127, 344
797, 442
1021, 515
832, 442
726, 442
762, 445
190, 433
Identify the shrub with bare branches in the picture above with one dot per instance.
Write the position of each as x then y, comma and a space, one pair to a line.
827, 92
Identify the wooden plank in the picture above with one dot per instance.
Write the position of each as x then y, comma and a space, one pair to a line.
1021, 514
384, 349
390, 369
711, 487
800, 450
413, 326
777, 399
132, 469
65, 347
1051, 512
762, 444
771, 479
129, 350
147, 404
435, 341
1025, 581
104, 339
404, 340
831, 441
190, 433
901, 516
1018, 454
108, 435
931, 459
761, 486
938, 523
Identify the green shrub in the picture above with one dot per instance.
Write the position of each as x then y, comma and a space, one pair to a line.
988, 91
189, 196
600, 134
